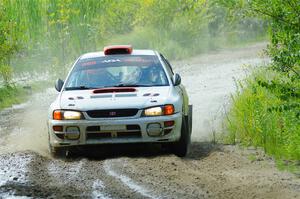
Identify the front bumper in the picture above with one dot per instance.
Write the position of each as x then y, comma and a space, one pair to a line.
114, 130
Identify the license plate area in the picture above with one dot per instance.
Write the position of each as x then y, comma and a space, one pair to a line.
113, 128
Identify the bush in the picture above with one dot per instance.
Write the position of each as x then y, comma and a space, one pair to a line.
6, 73
266, 113
10, 95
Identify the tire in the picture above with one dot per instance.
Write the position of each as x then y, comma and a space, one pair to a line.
181, 147
57, 152
190, 119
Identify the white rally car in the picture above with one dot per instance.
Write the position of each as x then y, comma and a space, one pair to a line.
120, 95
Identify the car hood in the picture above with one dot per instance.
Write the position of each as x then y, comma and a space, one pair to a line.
142, 97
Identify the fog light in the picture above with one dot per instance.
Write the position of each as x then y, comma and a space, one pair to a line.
57, 128
72, 133
154, 129
169, 123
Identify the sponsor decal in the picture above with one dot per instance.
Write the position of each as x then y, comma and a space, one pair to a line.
111, 61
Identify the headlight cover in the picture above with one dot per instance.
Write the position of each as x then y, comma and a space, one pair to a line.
67, 115
159, 110
154, 111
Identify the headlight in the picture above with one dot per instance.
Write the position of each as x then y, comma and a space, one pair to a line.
155, 111
72, 115
67, 115
159, 110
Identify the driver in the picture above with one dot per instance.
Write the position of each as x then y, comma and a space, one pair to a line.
151, 75
98, 77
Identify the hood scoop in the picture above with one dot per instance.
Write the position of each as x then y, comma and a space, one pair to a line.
126, 95
114, 90
102, 96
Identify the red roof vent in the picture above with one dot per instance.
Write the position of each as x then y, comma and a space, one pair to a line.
117, 49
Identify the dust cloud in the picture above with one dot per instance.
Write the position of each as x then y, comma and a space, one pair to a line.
24, 127
210, 79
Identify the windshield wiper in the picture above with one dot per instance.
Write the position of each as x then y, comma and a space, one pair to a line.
79, 88
132, 85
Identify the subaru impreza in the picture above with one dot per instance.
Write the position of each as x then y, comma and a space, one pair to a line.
120, 95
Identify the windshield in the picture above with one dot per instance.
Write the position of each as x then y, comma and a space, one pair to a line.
117, 71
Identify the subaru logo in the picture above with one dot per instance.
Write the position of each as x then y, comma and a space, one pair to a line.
112, 113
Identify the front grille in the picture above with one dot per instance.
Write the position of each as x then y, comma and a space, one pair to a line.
97, 135
133, 127
129, 134
122, 134
93, 128
130, 127
109, 113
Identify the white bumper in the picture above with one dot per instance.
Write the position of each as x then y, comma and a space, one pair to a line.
135, 130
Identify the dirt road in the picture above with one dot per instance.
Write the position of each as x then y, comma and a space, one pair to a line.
144, 171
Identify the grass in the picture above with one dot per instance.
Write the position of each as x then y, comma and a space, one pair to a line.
265, 113
10, 95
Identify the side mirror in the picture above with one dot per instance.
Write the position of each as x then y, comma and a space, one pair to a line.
59, 84
177, 79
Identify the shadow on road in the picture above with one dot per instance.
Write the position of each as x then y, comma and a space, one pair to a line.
198, 150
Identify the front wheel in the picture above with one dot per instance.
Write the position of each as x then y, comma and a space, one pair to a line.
57, 151
181, 147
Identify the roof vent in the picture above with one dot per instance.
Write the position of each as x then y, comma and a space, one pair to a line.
117, 49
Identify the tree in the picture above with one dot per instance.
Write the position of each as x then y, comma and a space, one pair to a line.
283, 17
9, 44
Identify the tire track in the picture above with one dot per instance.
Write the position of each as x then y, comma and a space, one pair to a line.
13, 170
99, 190
127, 181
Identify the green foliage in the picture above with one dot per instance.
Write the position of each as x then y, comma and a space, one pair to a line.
285, 31
48, 32
267, 113
8, 37
10, 95
6, 74
283, 17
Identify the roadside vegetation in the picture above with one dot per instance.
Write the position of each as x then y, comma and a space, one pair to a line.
266, 109
11, 95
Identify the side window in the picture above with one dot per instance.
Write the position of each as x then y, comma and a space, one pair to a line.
169, 67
